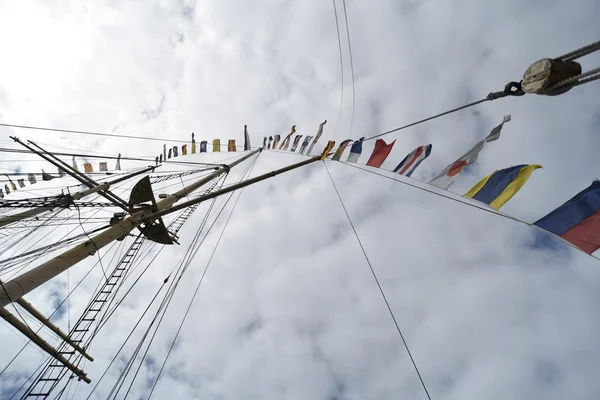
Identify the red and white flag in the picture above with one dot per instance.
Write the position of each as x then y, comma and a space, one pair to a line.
412, 160
446, 178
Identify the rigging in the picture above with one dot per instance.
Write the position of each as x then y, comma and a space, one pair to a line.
351, 67
379, 285
337, 26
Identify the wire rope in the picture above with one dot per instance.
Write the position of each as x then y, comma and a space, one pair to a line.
379, 285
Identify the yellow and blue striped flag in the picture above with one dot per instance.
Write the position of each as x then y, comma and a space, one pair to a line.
500, 186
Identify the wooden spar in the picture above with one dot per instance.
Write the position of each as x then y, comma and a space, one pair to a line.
9, 219
46, 322
24, 329
73, 172
76, 174
32, 279
15, 289
231, 188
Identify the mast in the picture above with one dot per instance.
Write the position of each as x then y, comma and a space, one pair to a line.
32, 279
143, 216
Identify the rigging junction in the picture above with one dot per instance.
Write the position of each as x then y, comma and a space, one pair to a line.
141, 211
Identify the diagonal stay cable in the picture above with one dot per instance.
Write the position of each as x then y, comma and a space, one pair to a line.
515, 89
91, 133
40, 328
165, 281
337, 25
110, 312
182, 267
427, 119
104, 157
139, 320
41, 128
203, 274
161, 312
46, 364
351, 68
379, 285
48, 359
163, 308
473, 205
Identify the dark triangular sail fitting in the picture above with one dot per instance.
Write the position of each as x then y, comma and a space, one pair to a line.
156, 230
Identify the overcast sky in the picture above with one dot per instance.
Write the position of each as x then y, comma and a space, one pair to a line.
289, 308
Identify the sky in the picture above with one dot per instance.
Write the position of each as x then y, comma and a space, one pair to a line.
289, 307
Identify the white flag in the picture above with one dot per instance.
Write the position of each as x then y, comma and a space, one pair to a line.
446, 178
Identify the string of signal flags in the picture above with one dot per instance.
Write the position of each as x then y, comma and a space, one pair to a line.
168, 153
11, 186
171, 152
577, 221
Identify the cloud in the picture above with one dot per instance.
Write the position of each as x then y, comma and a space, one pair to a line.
289, 307
155, 113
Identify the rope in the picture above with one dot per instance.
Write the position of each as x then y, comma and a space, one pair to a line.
580, 52
429, 118
379, 285
170, 140
182, 267
39, 128
482, 208
130, 333
580, 79
27, 380
577, 80
514, 88
111, 312
337, 25
91, 240
351, 67
46, 364
49, 358
34, 333
201, 278
152, 160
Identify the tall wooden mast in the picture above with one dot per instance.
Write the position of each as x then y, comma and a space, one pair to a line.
32, 279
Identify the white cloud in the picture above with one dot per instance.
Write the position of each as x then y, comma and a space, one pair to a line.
289, 308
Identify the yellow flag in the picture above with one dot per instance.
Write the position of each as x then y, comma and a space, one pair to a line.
327, 149
216, 145
12, 184
499, 187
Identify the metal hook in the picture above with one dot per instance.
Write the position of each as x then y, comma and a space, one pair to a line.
510, 89
514, 89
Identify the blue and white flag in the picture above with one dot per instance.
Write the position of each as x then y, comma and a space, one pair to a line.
355, 151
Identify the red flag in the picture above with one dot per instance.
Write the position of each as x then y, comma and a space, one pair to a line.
380, 153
